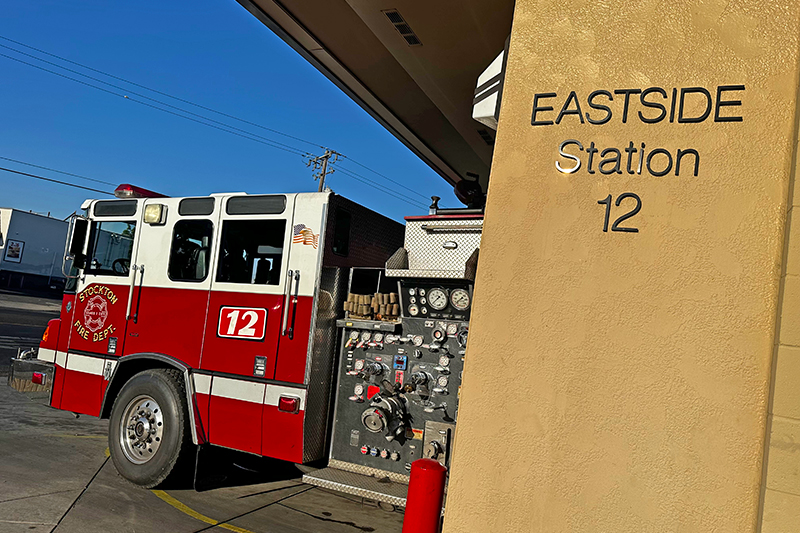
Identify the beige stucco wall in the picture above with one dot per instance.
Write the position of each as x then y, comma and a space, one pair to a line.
781, 486
620, 382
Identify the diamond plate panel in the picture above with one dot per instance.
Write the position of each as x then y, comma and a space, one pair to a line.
330, 297
373, 488
368, 471
438, 248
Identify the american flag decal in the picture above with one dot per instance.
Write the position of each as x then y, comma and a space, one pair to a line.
302, 234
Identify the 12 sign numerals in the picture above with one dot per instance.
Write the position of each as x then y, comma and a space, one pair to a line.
242, 323
616, 225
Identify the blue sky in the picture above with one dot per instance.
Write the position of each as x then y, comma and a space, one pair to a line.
213, 53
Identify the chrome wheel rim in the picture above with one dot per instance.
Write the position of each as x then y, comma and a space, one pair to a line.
141, 429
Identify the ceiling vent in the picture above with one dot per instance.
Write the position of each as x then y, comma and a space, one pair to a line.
487, 138
402, 27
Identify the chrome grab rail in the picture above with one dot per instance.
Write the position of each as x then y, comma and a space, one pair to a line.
441, 227
134, 268
286, 295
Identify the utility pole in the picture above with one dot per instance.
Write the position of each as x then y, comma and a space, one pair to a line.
321, 163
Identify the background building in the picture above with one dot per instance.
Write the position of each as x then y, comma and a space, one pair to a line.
31, 251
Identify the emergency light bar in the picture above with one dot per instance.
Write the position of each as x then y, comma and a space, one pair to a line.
127, 190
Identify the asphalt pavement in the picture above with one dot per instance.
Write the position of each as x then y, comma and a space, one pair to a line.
55, 474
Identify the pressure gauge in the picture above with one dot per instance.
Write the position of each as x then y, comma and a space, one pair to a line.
391, 339
353, 335
424, 310
418, 340
438, 334
412, 300
452, 329
423, 301
422, 292
359, 389
437, 299
413, 310
440, 381
378, 337
359, 364
460, 299
365, 336
444, 361
412, 292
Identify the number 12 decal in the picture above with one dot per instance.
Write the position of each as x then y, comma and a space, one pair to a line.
616, 227
242, 323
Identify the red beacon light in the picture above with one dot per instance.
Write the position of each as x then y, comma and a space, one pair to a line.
127, 190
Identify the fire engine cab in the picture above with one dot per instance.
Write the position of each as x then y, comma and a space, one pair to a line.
243, 321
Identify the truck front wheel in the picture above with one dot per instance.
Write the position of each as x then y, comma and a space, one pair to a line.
148, 431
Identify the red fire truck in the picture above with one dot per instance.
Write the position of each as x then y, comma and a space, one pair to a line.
213, 320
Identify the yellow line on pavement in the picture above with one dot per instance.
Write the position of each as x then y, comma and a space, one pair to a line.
194, 514
107, 452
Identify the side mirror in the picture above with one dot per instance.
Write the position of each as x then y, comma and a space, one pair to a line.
80, 227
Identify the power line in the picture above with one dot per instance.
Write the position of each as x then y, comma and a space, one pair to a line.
384, 177
272, 142
367, 181
292, 151
59, 171
55, 181
222, 126
160, 92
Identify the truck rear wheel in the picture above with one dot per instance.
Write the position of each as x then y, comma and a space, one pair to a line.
148, 430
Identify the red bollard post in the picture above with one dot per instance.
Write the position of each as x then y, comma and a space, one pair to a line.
425, 497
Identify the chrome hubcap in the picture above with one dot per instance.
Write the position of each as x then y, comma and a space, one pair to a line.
141, 429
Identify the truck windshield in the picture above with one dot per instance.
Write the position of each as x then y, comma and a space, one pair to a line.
110, 248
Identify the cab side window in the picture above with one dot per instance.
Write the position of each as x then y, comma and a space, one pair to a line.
110, 248
251, 251
190, 251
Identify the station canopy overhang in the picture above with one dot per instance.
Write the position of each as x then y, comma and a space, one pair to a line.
411, 64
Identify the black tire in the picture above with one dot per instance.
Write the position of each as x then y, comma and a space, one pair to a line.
148, 433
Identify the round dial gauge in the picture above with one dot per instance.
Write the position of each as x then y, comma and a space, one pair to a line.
424, 310
412, 300
418, 340
452, 329
438, 334
378, 337
358, 390
413, 310
412, 292
359, 365
441, 381
422, 292
444, 361
365, 336
423, 301
353, 335
391, 338
437, 299
460, 299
